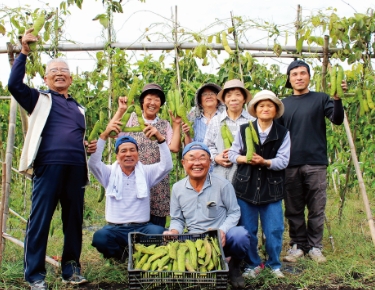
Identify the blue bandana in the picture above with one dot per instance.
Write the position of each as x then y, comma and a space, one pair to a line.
125, 139
195, 146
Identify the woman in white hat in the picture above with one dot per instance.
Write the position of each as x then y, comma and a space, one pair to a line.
234, 95
259, 182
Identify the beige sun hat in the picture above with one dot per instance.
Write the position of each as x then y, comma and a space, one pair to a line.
265, 95
232, 84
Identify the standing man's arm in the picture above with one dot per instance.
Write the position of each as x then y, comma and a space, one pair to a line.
25, 96
337, 115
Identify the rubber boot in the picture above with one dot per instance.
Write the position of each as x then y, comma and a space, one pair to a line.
235, 277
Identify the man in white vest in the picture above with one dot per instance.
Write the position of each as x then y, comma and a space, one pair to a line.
54, 153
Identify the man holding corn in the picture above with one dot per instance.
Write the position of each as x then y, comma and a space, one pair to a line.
305, 176
54, 153
204, 201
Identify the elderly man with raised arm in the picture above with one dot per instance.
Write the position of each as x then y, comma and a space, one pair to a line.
127, 182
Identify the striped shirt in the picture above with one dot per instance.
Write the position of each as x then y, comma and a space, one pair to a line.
215, 143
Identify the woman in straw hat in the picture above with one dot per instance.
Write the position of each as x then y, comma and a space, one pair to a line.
234, 95
259, 180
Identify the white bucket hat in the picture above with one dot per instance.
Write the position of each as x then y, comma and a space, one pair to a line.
266, 95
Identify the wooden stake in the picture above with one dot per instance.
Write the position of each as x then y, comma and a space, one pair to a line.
3, 178
21, 244
360, 179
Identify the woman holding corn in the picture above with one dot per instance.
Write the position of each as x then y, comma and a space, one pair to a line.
234, 96
259, 180
151, 99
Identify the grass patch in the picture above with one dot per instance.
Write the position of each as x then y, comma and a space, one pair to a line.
350, 263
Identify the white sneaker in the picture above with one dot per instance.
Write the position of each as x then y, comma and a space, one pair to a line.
252, 273
293, 254
316, 255
277, 273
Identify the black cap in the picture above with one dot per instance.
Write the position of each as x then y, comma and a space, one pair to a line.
293, 65
152, 88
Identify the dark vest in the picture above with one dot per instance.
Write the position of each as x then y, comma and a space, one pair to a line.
257, 184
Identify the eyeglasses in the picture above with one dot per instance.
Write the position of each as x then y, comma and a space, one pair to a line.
200, 160
208, 95
55, 70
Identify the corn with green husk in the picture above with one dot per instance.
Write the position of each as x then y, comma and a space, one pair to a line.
132, 91
339, 79
333, 81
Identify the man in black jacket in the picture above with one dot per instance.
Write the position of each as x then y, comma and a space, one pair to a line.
305, 176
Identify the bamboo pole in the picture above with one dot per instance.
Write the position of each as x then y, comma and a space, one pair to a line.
360, 179
10, 147
21, 244
298, 25
3, 183
170, 46
324, 84
110, 78
177, 64
237, 51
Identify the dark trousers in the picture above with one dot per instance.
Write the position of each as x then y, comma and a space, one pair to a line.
51, 184
112, 240
305, 186
158, 220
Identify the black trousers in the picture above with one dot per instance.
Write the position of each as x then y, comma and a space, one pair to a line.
305, 186
53, 184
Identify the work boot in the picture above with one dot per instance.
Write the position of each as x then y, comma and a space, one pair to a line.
235, 277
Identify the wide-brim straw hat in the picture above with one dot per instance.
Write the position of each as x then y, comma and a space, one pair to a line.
233, 84
266, 95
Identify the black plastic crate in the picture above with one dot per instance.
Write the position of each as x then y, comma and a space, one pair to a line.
139, 279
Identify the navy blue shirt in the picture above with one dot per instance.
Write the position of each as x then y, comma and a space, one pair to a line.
63, 133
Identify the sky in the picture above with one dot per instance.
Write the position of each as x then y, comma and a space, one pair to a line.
193, 15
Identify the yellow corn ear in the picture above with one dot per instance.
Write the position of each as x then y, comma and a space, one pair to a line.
339, 79
173, 250
208, 249
163, 261
193, 254
333, 81
188, 264
154, 265
198, 244
210, 265
38, 25
133, 90
181, 257
141, 262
